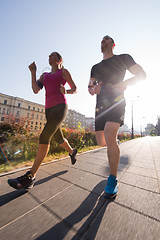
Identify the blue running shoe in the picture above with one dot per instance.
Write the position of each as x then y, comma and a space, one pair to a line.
112, 187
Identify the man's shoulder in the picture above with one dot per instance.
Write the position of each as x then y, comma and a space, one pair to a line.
97, 64
123, 55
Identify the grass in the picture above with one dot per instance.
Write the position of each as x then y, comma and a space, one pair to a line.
21, 163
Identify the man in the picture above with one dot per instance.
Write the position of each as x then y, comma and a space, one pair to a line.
107, 82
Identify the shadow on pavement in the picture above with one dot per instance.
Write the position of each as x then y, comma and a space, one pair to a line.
92, 206
124, 159
4, 199
50, 177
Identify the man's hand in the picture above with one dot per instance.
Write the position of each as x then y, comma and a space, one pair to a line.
32, 67
120, 87
97, 88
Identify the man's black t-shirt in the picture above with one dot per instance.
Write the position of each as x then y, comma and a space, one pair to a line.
111, 71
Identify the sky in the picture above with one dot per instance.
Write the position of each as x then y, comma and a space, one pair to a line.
32, 29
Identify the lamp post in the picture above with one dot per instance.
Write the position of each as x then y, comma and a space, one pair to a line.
132, 120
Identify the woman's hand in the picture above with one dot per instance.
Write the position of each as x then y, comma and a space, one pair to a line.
62, 89
32, 67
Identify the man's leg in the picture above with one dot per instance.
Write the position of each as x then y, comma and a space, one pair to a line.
113, 151
101, 141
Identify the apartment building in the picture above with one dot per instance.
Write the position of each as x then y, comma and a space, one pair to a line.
34, 114
90, 123
74, 119
18, 107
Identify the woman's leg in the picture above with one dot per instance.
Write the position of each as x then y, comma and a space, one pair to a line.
65, 145
63, 142
41, 154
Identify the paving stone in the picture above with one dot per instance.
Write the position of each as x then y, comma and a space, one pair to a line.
142, 171
37, 224
140, 181
140, 200
117, 222
76, 206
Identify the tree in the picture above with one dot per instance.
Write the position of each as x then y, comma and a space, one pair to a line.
158, 127
150, 129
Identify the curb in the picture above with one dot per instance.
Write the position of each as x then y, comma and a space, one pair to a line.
26, 168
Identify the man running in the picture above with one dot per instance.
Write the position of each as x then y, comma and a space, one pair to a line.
107, 82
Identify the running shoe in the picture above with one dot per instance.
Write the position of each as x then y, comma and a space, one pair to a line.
112, 187
24, 182
73, 156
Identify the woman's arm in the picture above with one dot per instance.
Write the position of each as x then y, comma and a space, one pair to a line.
67, 76
32, 67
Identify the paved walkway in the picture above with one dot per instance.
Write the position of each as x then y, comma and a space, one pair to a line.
67, 201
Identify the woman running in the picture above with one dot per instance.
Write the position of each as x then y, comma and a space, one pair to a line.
55, 110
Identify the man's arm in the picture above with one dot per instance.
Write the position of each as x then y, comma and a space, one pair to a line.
139, 75
94, 87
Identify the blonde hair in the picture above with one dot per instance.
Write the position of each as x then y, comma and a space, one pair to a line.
60, 65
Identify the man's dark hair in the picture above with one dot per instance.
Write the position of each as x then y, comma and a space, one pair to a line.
109, 37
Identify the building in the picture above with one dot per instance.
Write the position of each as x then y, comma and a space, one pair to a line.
90, 124
74, 119
20, 108
34, 114
124, 129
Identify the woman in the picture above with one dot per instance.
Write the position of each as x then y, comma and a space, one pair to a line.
55, 110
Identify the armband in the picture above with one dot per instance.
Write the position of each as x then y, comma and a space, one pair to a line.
40, 84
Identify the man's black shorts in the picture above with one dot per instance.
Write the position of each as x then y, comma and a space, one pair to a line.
114, 113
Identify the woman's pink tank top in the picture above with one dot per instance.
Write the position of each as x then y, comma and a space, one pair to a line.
52, 83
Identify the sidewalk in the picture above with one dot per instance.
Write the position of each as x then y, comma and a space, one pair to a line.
67, 200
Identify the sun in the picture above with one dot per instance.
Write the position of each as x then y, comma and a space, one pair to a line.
145, 98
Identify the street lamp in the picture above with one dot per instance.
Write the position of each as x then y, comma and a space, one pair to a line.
132, 117
132, 120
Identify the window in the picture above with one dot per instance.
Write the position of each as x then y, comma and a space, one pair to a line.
17, 112
7, 111
36, 123
38, 109
41, 117
2, 118
37, 117
33, 108
29, 107
19, 105
4, 110
42, 110
5, 102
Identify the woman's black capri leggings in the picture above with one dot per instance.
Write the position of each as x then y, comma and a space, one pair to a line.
54, 115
